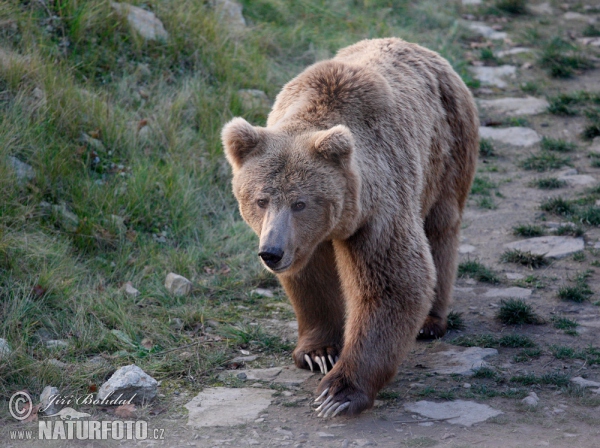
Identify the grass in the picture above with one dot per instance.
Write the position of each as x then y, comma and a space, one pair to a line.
548, 183
562, 59
527, 355
525, 258
591, 31
455, 321
486, 148
544, 161
477, 271
551, 144
528, 230
486, 373
487, 203
491, 341
482, 186
514, 7
579, 293
557, 379
569, 229
517, 312
146, 191
558, 206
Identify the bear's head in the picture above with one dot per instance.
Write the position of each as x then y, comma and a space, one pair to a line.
295, 189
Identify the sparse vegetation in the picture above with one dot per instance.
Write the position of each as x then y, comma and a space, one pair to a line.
455, 321
525, 258
477, 271
486, 148
562, 59
551, 144
548, 183
569, 229
486, 373
558, 206
490, 341
544, 161
528, 230
517, 312
527, 355
514, 7
578, 293
557, 379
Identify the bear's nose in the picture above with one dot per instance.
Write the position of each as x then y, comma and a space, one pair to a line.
271, 256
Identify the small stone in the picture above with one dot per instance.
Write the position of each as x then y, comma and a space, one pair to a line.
242, 376
558, 410
56, 343
494, 76
23, 171
262, 292
514, 276
130, 290
230, 12
467, 385
541, 9
178, 285
513, 51
549, 246
516, 292
325, 435
68, 220
515, 136
575, 16
363, 442
458, 412
582, 382
241, 359
486, 31
515, 106
94, 143
253, 99
132, 382
57, 363
531, 400
145, 23
461, 361
259, 420
4, 348
576, 180
466, 249
48, 403
589, 41
471, 2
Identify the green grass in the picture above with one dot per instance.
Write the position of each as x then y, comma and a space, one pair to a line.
557, 379
455, 321
569, 229
558, 206
544, 161
486, 373
591, 31
528, 230
548, 183
551, 144
525, 258
482, 186
487, 203
514, 7
491, 341
477, 271
517, 312
527, 355
580, 292
562, 59
486, 148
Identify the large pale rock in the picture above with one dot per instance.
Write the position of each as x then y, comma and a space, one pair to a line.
549, 246
132, 383
230, 12
287, 376
145, 23
542, 9
574, 179
178, 285
486, 31
578, 16
4, 348
49, 406
461, 360
582, 382
464, 413
516, 292
514, 106
220, 406
494, 76
471, 2
531, 400
23, 171
516, 136
589, 41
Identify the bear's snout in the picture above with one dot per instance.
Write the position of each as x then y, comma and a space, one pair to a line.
271, 256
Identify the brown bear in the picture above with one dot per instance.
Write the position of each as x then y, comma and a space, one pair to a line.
356, 188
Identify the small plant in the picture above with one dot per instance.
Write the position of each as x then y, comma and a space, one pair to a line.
388, 395
486, 148
563, 352
487, 203
551, 144
553, 379
578, 293
562, 59
528, 230
525, 258
589, 215
491, 341
591, 31
487, 55
558, 206
527, 355
566, 324
569, 229
592, 130
514, 7
579, 256
455, 321
486, 373
477, 271
515, 341
517, 312
530, 87
544, 161
548, 183
482, 186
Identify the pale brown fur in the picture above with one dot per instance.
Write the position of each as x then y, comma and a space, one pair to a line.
358, 181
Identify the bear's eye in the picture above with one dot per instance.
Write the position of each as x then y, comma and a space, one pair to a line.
297, 206
262, 203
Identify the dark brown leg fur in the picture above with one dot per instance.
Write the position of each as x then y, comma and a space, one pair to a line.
316, 296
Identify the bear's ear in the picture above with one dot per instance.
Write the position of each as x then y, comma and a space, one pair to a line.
240, 140
334, 144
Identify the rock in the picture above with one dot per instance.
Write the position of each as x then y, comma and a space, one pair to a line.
178, 285
513, 51
71, 414
4, 348
57, 343
23, 171
461, 361
514, 276
220, 406
582, 382
541, 9
57, 363
471, 2
486, 31
130, 290
466, 249
325, 435
466, 413
68, 220
514, 106
494, 76
94, 143
287, 376
576, 16
253, 99
132, 383
230, 12
595, 147
591, 41
516, 292
574, 179
145, 23
47, 399
516, 136
549, 246
241, 359
262, 292
531, 400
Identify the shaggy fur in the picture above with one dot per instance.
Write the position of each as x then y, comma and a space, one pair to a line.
358, 181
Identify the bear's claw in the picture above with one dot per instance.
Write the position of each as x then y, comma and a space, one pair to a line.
321, 361
329, 407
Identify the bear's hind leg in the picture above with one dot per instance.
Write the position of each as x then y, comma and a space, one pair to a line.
316, 295
442, 227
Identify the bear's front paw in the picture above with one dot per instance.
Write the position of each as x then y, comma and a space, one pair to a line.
338, 394
433, 328
325, 358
